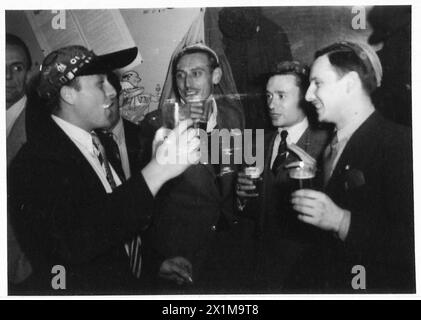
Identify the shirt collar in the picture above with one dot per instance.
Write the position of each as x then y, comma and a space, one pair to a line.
13, 113
75, 133
346, 132
295, 131
212, 122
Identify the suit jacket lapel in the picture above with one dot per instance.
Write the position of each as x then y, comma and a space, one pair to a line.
349, 154
132, 144
55, 144
17, 137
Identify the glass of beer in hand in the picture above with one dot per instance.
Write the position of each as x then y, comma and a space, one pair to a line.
200, 110
173, 112
255, 175
302, 175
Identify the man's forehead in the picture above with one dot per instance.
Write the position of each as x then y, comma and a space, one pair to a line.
321, 67
193, 60
15, 54
282, 82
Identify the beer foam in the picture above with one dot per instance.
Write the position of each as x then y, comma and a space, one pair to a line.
301, 174
252, 172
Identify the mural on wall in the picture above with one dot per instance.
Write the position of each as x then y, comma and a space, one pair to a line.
135, 103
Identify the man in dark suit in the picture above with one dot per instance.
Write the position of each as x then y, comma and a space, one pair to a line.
193, 208
70, 210
366, 209
281, 238
18, 65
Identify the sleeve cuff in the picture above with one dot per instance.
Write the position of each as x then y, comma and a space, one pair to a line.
344, 225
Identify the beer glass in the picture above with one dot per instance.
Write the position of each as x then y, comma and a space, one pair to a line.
173, 112
302, 175
255, 175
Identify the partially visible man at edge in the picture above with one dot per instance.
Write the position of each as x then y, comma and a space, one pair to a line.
18, 66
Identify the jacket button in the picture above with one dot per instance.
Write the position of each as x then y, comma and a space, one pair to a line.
213, 228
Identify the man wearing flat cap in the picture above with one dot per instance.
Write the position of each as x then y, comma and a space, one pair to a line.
366, 207
78, 224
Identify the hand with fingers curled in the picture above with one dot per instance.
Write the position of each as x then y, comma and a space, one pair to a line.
318, 209
196, 109
245, 187
176, 269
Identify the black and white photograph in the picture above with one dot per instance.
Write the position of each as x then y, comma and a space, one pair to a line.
210, 150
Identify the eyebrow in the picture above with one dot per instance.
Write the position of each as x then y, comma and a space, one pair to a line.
194, 69
276, 91
15, 63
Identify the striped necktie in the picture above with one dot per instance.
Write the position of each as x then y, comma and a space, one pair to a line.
282, 153
329, 157
133, 247
103, 160
113, 152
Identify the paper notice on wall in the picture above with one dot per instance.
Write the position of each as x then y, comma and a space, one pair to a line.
102, 31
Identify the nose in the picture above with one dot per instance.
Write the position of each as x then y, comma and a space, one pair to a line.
188, 82
271, 103
110, 91
310, 93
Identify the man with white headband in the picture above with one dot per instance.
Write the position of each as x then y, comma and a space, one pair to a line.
75, 218
366, 207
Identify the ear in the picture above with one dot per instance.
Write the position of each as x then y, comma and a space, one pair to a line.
216, 75
353, 81
68, 94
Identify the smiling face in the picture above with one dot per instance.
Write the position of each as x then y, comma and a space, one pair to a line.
194, 77
95, 103
16, 74
327, 90
284, 100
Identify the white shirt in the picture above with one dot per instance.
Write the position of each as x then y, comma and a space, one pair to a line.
13, 113
212, 123
120, 138
294, 134
83, 140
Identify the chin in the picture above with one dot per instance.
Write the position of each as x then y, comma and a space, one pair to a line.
278, 124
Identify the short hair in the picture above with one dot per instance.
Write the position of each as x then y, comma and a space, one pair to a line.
346, 57
13, 40
299, 70
213, 62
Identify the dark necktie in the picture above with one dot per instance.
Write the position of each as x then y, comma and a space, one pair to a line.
329, 156
282, 153
113, 152
133, 247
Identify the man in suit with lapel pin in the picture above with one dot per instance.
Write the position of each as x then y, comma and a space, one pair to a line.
366, 208
281, 238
